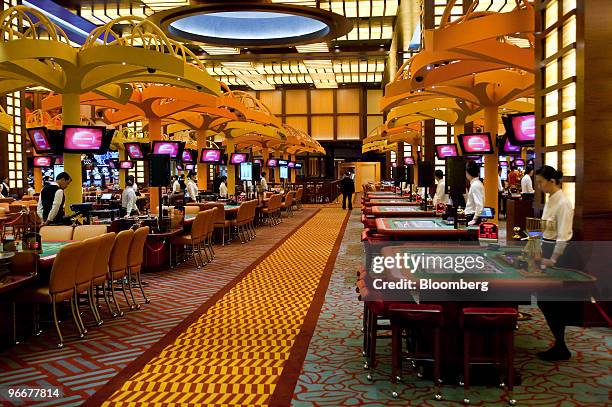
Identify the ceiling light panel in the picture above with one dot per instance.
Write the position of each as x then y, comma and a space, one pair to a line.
159, 5
213, 50
317, 47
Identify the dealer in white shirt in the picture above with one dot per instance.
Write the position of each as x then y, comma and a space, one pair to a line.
440, 196
192, 188
475, 197
527, 190
128, 199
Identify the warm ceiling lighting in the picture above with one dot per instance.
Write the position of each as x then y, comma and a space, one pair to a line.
318, 47
318, 64
213, 50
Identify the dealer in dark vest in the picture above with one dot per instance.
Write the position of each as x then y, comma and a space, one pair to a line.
51, 202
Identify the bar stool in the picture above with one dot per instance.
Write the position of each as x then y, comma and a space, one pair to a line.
501, 321
423, 318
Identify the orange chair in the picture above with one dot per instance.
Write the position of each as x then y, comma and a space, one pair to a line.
219, 221
84, 278
210, 231
135, 260
193, 240
287, 205
61, 286
100, 272
56, 233
298, 198
117, 266
83, 232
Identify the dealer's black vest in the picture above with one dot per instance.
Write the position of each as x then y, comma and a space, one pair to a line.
47, 195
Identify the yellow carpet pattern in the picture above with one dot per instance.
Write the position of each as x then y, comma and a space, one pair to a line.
235, 352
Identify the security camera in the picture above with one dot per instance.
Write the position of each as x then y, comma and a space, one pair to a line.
198, 87
151, 70
418, 78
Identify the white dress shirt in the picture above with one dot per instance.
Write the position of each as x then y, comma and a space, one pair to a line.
264, 184
135, 187
31, 191
223, 190
440, 196
527, 185
192, 190
559, 209
128, 200
57, 203
176, 187
500, 185
475, 198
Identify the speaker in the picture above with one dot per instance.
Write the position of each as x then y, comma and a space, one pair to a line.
426, 174
455, 175
256, 168
409, 174
398, 173
159, 170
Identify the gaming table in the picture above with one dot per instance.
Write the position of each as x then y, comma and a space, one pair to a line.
423, 229
400, 211
395, 201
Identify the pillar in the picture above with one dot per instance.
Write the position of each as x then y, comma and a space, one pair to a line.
491, 161
292, 175
265, 152
122, 173
38, 180
277, 179
71, 114
231, 169
202, 137
155, 133
458, 128
286, 158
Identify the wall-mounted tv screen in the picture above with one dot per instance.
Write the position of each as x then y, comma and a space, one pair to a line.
113, 164
283, 163
409, 160
272, 162
257, 161
284, 172
210, 156
508, 148
171, 148
519, 162
126, 165
86, 139
246, 171
39, 136
135, 151
476, 143
298, 166
189, 167
522, 128
503, 164
291, 164
43, 161
238, 158
190, 156
446, 150
59, 160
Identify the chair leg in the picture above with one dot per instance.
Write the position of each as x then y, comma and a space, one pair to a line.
112, 287
466, 367
437, 361
93, 306
195, 258
510, 362
212, 250
76, 316
124, 288
223, 236
202, 247
108, 304
56, 323
129, 284
147, 301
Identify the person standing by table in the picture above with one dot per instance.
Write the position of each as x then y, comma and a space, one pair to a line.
4, 188
527, 190
513, 177
176, 185
475, 198
192, 188
263, 182
52, 199
223, 192
128, 199
440, 195
347, 187
558, 209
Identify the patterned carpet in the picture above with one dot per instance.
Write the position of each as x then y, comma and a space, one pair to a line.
84, 366
244, 348
333, 373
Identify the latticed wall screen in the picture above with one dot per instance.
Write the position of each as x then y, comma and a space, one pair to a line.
138, 171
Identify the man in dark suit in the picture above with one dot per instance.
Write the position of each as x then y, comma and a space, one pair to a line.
347, 187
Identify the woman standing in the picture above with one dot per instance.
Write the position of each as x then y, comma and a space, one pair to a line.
558, 209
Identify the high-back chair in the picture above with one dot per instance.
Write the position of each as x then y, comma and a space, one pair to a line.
84, 277
191, 210
286, 206
100, 272
117, 265
136, 258
242, 219
193, 239
61, 286
298, 197
219, 221
56, 233
210, 231
83, 232
272, 211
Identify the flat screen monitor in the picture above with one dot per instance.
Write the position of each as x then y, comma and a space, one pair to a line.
283, 163
409, 160
487, 213
126, 165
134, 151
113, 164
476, 143
238, 158
246, 171
86, 139
170, 148
190, 156
43, 161
106, 197
272, 162
446, 150
503, 164
189, 167
59, 160
508, 148
291, 164
298, 166
519, 162
284, 172
523, 128
179, 167
210, 156
257, 161
39, 136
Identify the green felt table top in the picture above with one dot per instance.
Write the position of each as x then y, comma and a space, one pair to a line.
397, 209
498, 265
411, 223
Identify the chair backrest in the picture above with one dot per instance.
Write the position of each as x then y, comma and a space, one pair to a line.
298, 194
198, 227
5, 206
56, 233
103, 254
210, 224
219, 213
85, 267
121, 247
83, 232
289, 198
191, 210
242, 214
63, 272
136, 253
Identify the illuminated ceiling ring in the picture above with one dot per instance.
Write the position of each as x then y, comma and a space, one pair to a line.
267, 24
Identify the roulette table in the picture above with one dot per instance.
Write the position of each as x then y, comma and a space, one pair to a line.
423, 229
